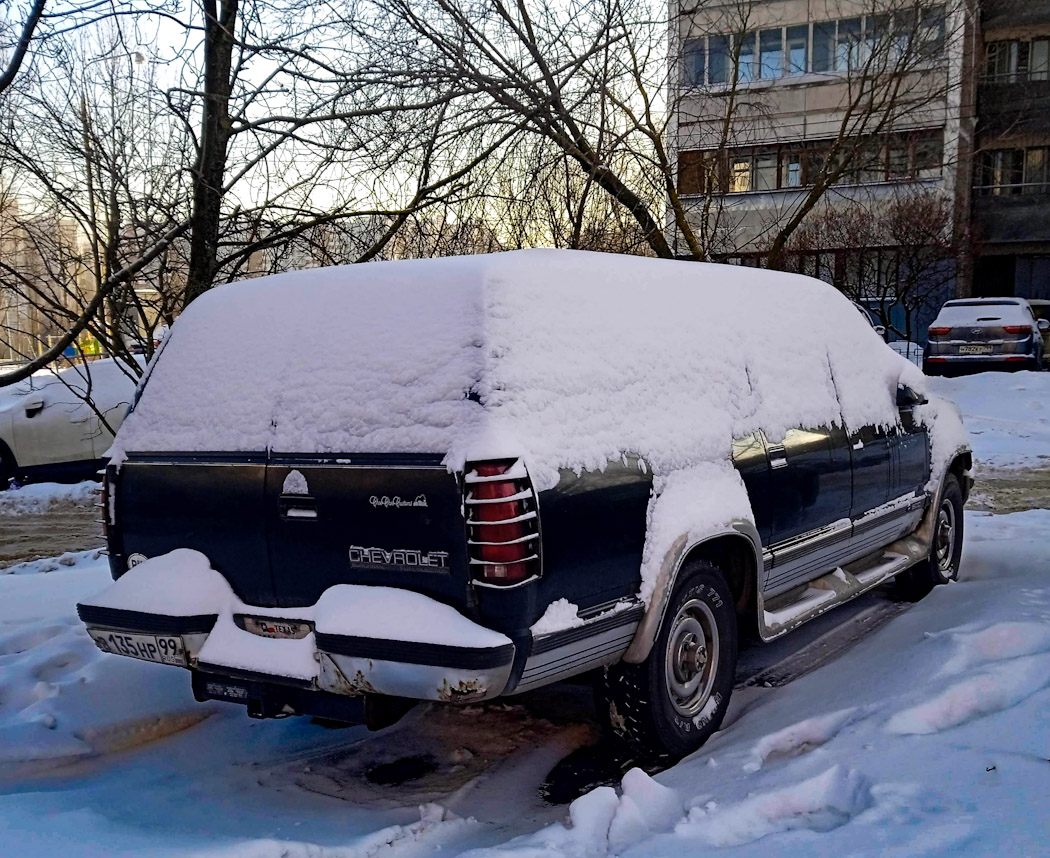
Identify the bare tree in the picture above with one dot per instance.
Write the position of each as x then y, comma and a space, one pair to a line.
596, 80
895, 257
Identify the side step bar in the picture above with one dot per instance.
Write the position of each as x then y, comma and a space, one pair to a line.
783, 613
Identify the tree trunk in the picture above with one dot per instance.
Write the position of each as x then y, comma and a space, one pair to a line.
210, 170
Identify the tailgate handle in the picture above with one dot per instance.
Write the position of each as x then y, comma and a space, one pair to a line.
298, 507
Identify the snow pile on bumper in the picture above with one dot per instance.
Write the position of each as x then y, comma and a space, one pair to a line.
361, 639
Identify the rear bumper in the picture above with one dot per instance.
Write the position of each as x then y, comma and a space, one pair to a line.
346, 666
1012, 361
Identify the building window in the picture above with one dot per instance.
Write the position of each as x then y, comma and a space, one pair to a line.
931, 31
771, 54
915, 155
1018, 61
847, 45
797, 44
1008, 172
824, 46
692, 172
765, 172
694, 58
719, 57
746, 58
739, 175
791, 170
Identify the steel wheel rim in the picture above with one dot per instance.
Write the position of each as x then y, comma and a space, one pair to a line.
945, 536
691, 658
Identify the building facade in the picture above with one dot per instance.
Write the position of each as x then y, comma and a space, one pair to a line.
771, 91
1010, 201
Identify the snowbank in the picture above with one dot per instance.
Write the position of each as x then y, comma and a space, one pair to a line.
567, 358
38, 498
60, 698
928, 738
1007, 415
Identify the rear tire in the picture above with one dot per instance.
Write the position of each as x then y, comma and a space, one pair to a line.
670, 704
942, 565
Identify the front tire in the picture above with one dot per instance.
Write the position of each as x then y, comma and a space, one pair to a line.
670, 704
942, 565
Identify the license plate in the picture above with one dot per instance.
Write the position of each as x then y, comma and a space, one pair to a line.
268, 627
163, 649
975, 350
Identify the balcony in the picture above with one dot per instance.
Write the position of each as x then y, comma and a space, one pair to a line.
1013, 106
1012, 216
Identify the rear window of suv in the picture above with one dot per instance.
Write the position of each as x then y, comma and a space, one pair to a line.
978, 312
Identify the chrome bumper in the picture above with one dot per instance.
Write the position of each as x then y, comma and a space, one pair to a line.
348, 666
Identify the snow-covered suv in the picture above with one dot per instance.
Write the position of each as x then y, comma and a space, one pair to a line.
507, 470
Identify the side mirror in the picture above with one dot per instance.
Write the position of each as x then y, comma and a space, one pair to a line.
1043, 325
33, 407
909, 398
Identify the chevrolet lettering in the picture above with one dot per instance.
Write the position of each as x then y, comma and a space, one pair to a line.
398, 558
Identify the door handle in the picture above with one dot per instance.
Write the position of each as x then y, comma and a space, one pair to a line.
778, 457
33, 407
298, 507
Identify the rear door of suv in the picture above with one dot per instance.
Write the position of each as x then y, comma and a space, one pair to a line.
385, 520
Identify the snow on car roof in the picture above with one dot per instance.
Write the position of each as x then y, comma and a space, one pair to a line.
566, 357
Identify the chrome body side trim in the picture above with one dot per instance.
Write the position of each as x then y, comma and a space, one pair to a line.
568, 652
811, 554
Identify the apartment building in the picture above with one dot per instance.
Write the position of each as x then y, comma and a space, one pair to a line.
1010, 201
780, 97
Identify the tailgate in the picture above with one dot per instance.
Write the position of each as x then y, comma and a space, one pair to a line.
393, 521
212, 503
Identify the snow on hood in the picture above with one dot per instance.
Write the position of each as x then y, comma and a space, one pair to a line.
566, 357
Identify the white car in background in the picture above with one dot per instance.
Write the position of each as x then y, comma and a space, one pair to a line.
48, 431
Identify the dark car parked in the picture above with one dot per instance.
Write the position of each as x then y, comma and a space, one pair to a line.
975, 334
668, 492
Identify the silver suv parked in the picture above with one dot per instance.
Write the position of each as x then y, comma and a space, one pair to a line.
975, 334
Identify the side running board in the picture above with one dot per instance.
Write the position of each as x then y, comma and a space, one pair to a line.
788, 611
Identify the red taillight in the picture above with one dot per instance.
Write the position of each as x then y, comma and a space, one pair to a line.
1017, 329
503, 538
1018, 357
939, 332
936, 360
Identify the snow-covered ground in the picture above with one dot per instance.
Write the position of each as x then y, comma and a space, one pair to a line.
929, 737
1006, 414
37, 498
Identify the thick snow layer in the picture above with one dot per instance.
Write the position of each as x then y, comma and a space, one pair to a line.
178, 584
393, 614
1007, 415
693, 503
560, 614
231, 646
527, 353
37, 498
